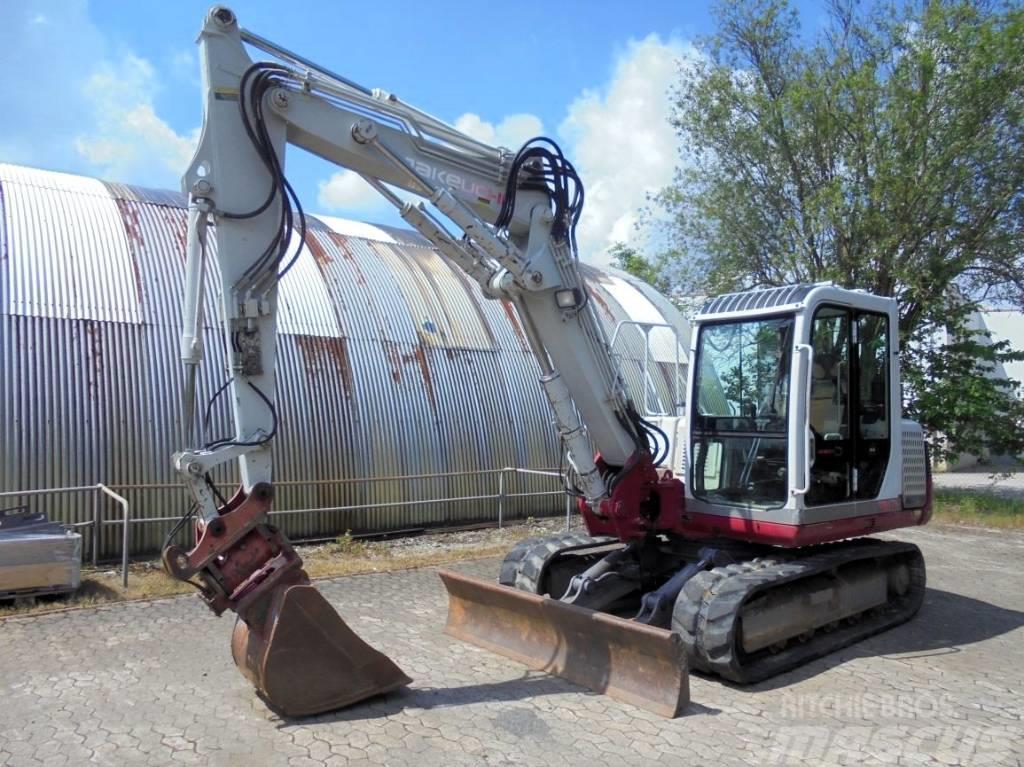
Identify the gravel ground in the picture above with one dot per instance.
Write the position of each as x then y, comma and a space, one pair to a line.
455, 541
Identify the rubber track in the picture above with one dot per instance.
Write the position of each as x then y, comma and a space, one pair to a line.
526, 563
706, 614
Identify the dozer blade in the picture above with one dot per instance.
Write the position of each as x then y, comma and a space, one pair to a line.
628, 661
304, 659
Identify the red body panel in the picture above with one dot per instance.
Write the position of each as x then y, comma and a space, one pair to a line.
792, 536
648, 500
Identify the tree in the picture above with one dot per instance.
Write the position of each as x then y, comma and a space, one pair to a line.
629, 260
886, 154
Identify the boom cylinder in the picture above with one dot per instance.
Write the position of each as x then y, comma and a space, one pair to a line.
191, 346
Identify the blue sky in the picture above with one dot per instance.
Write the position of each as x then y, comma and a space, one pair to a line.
111, 89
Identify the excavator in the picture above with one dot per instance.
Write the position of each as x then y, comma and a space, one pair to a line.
747, 558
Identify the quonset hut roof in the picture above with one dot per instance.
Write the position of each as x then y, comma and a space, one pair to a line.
391, 362
1004, 324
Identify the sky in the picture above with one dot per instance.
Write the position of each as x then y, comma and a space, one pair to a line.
111, 89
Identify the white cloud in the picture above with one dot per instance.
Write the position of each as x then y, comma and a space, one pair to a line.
183, 65
621, 142
512, 132
85, 108
618, 135
347, 192
127, 139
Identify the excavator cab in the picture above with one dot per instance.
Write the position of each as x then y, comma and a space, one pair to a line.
794, 402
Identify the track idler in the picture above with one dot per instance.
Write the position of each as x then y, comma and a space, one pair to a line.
288, 641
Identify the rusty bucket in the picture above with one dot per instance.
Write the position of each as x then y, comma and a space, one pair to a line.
628, 661
304, 659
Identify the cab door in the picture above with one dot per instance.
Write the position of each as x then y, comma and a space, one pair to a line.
848, 405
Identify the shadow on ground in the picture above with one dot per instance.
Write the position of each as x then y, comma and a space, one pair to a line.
945, 624
527, 687
90, 592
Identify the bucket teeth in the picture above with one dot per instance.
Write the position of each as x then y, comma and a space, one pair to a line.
304, 659
628, 661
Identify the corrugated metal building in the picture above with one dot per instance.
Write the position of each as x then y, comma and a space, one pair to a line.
391, 363
1003, 324
993, 325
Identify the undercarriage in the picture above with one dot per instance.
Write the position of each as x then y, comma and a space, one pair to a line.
743, 612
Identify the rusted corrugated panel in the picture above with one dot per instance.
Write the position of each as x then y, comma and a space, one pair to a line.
67, 250
368, 302
165, 197
404, 236
304, 303
442, 307
390, 363
359, 230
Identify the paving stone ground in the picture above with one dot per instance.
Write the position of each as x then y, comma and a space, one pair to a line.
153, 683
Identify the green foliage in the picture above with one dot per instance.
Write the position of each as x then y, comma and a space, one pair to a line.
348, 546
957, 396
886, 154
629, 260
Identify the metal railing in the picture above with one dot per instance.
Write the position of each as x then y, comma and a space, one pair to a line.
96, 522
126, 519
502, 495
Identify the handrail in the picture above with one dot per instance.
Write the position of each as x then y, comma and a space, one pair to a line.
538, 472
647, 327
46, 491
338, 481
127, 520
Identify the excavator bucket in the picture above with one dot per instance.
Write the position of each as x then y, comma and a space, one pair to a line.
628, 661
303, 659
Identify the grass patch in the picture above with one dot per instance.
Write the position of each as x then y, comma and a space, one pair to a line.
346, 555
978, 508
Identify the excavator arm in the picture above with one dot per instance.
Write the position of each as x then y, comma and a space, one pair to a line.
516, 241
516, 215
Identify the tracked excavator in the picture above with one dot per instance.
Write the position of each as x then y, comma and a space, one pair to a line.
747, 558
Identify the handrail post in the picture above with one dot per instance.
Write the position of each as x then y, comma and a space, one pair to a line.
95, 527
125, 519
124, 548
501, 497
